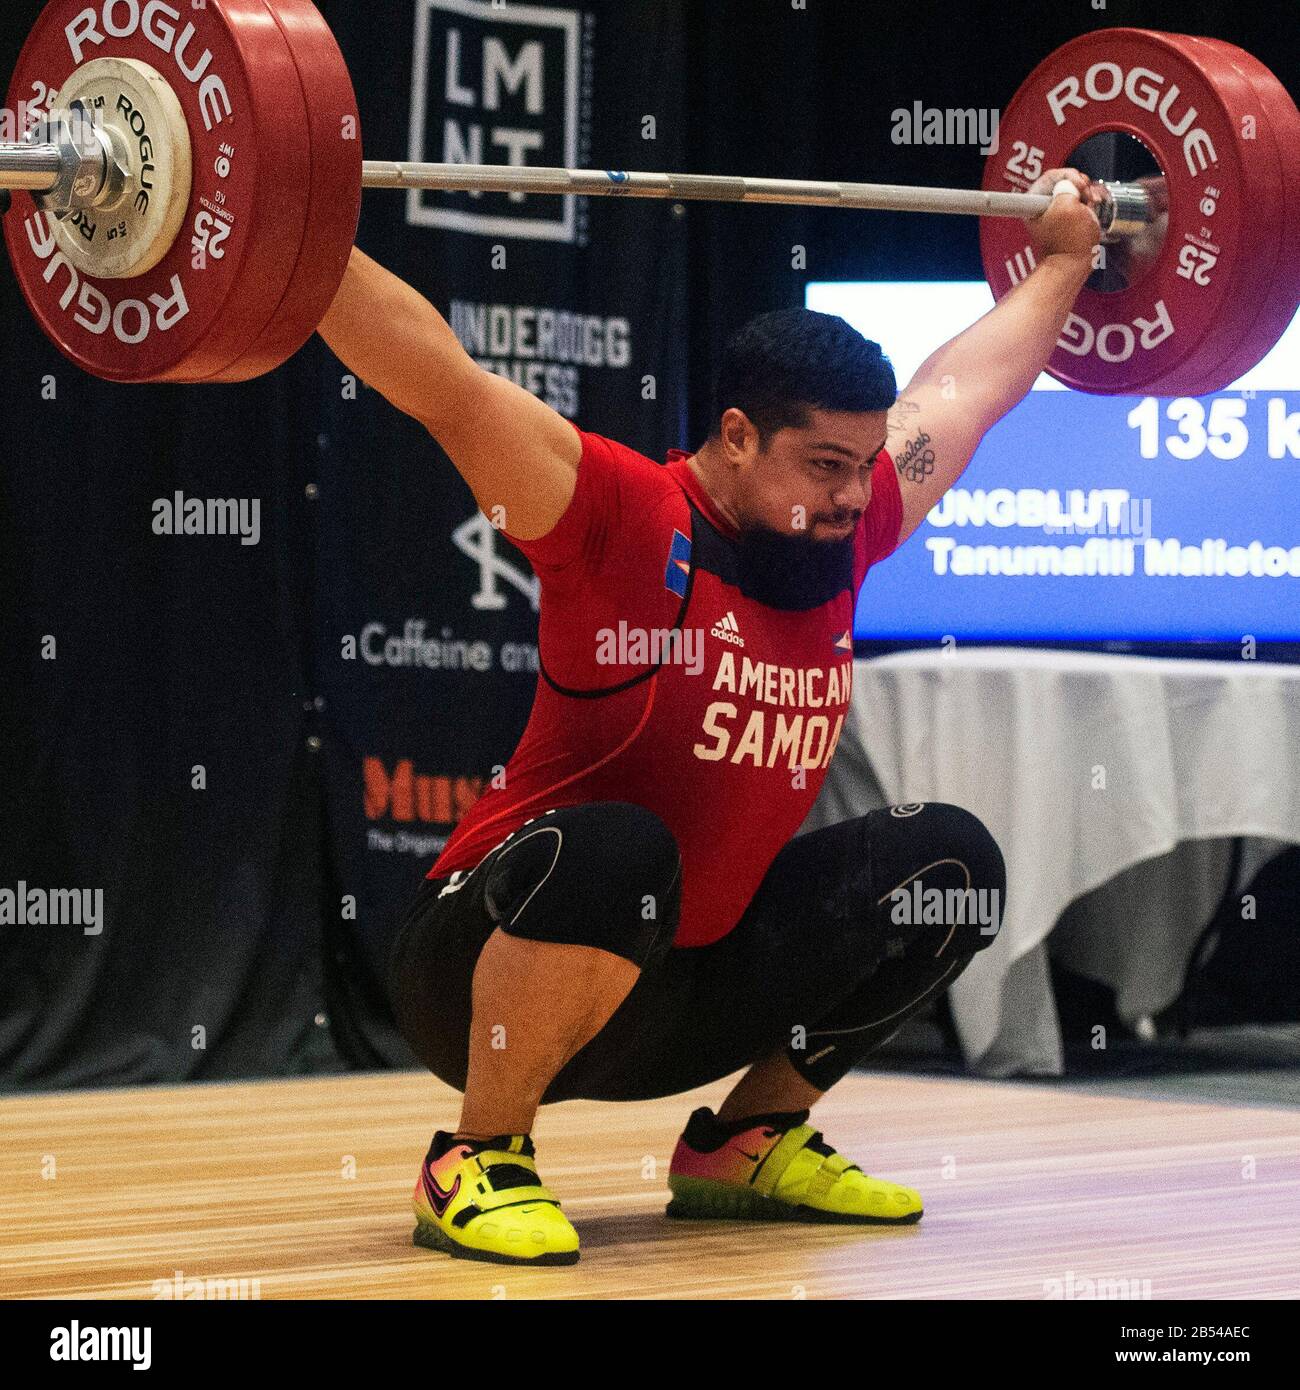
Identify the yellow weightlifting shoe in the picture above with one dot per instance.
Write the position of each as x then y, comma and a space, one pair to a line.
777, 1168
484, 1201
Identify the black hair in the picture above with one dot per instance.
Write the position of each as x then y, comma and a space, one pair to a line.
786, 362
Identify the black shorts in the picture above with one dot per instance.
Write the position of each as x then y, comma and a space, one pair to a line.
827, 962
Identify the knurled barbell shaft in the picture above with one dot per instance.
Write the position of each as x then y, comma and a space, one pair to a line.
36, 168
1126, 208
499, 178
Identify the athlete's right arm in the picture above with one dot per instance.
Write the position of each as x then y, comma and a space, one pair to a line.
514, 451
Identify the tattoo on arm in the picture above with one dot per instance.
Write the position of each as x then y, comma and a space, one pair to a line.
899, 415
915, 460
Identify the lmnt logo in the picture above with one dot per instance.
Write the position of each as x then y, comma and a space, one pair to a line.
407, 795
496, 84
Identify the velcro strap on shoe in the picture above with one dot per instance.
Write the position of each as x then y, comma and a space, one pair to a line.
814, 1181
503, 1176
792, 1141
508, 1179
826, 1176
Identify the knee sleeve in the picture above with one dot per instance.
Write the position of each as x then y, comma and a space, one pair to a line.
957, 880
604, 874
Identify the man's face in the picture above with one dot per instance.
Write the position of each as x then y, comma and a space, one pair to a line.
812, 482
798, 503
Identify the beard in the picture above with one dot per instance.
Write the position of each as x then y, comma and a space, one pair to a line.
794, 573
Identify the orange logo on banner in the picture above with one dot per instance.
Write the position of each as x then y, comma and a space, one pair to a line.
435, 799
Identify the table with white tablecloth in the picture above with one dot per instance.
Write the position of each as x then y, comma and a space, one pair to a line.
1089, 769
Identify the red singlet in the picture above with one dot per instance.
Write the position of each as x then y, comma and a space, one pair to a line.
725, 731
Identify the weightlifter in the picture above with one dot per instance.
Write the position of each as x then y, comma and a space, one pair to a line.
628, 915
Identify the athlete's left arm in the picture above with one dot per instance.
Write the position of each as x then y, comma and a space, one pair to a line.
961, 391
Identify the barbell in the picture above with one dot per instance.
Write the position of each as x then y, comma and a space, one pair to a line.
188, 186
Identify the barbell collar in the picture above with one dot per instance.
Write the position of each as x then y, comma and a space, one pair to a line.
30, 168
69, 163
1126, 210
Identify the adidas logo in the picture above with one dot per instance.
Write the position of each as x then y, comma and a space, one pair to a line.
729, 631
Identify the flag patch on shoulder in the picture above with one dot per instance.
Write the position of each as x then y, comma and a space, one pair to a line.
679, 565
